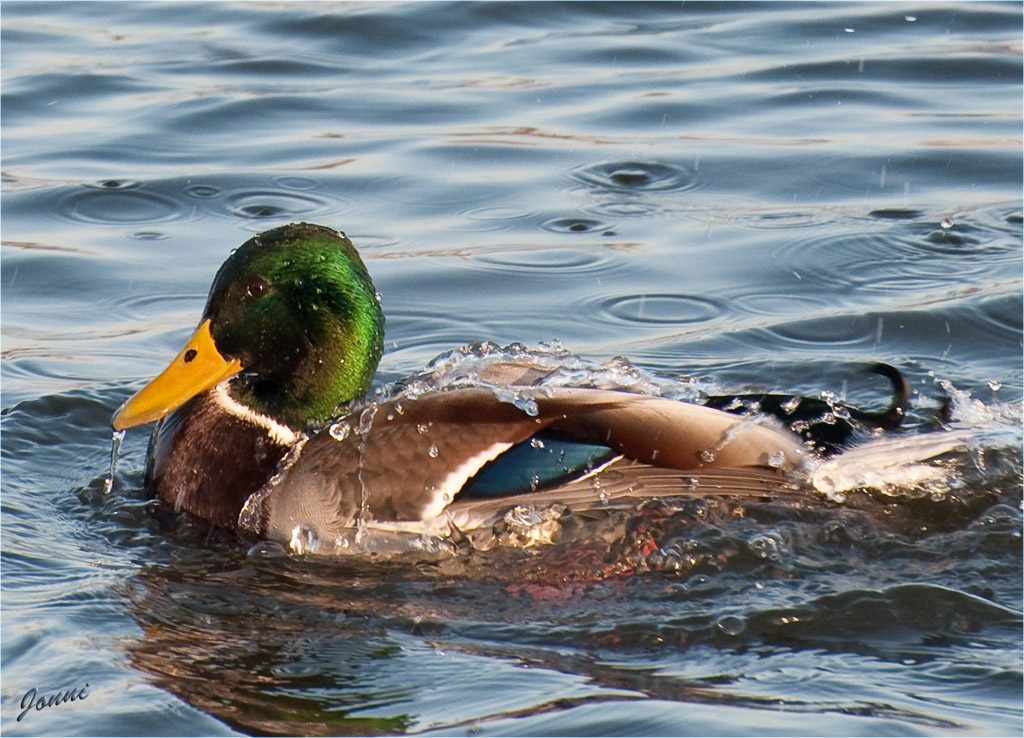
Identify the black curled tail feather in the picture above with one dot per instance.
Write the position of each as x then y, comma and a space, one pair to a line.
816, 420
892, 417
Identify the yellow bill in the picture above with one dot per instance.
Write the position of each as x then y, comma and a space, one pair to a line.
198, 367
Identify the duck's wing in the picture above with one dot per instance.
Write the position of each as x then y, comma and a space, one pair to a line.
625, 482
407, 460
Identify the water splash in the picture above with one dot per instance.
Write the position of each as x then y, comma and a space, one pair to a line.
906, 466
250, 517
554, 367
744, 423
911, 465
967, 410
363, 431
385, 543
524, 526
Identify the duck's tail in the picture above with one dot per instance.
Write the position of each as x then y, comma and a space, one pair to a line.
818, 420
892, 417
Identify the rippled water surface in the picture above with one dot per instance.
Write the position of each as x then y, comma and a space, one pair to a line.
734, 196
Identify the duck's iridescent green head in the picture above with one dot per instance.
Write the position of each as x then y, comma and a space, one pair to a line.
293, 317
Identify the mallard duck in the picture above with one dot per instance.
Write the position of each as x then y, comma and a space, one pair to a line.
265, 427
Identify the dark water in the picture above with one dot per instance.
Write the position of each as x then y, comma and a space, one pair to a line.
733, 195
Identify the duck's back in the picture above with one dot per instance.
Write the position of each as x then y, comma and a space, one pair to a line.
407, 462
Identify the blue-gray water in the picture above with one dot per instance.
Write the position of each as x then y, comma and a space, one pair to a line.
745, 194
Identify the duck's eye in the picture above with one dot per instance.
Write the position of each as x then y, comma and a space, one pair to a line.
257, 288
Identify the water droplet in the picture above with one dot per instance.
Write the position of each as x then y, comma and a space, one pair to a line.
735, 404
791, 404
732, 625
422, 428
767, 546
536, 443
266, 550
947, 223
340, 431
776, 460
366, 419
634, 176
432, 451
115, 450
994, 385
707, 456
527, 404
304, 540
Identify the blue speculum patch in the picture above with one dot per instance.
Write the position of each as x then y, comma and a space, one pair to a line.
545, 460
